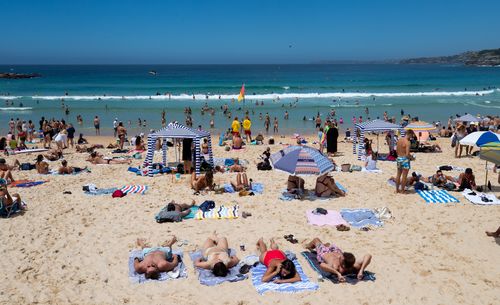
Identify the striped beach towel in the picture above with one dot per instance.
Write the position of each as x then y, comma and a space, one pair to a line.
134, 189
437, 196
221, 212
304, 285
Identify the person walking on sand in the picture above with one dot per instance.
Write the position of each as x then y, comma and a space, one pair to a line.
403, 160
97, 123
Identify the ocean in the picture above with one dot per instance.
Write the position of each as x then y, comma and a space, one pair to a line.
131, 92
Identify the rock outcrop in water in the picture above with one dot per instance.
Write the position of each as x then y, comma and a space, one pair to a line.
19, 75
471, 58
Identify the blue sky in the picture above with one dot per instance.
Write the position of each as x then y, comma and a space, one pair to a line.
192, 32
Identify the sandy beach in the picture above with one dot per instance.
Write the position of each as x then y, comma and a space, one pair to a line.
74, 248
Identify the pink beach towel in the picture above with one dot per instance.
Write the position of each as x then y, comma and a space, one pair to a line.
333, 218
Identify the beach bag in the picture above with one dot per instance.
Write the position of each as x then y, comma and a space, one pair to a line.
355, 168
26, 166
449, 186
419, 186
207, 205
118, 194
271, 141
345, 167
445, 168
454, 140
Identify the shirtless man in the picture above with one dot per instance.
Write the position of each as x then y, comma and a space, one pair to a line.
122, 132
332, 259
156, 259
403, 160
94, 158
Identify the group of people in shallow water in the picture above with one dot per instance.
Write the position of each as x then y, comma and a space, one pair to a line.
216, 256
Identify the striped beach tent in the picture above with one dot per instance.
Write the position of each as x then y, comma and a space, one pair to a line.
301, 160
375, 126
177, 131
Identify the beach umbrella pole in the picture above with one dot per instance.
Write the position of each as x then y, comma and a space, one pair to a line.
486, 179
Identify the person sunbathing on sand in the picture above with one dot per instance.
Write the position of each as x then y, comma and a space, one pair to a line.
94, 158
277, 264
236, 167
242, 183
68, 170
333, 260
326, 187
41, 166
202, 182
439, 179
495, 234
155, 259
216, 256
54, 154
181, 208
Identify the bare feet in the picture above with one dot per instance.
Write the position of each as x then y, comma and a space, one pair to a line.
170, 242
142, 243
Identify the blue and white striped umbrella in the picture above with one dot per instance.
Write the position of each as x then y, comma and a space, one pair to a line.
301, 160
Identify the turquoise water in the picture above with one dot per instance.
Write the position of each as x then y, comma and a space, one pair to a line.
129, 92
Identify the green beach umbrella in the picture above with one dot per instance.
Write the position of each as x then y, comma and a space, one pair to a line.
490, 152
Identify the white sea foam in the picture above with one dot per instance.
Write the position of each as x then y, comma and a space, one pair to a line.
274, 96
8, 97
15, 108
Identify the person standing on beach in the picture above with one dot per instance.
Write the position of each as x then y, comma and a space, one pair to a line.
115, 127
267, 122
97, 123
71, 135
236, 126
122, 133
247, 125
275, 129
403, 161
332, 136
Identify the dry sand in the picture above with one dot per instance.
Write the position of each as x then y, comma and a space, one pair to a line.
74, 248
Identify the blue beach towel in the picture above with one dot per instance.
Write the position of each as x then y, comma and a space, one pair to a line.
304, 285
206, 277
194, 210
140, 278
359, 218
350, 278
437, 196
101, 191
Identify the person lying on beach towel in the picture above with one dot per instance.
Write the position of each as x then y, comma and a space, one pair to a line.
242, 183
277, 264
54, 154
439, 179
202, 182
216, 256
87, 149
94, 158
236, 167
332, 259
415, 177
41, 166
326, 187
174, 212
155, 260
68, 170
495, 234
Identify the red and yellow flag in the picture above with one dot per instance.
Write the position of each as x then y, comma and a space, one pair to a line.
242, 93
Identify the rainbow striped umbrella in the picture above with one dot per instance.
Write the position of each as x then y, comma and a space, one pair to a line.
421, 126
301, 160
